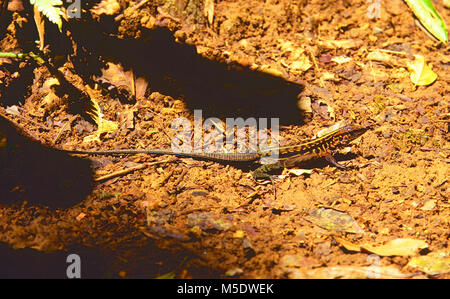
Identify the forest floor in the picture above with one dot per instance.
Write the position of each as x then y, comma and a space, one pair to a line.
310, 64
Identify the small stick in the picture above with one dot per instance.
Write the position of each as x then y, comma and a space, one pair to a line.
274, 188
128, 170
393, 52
166, 15
180, 178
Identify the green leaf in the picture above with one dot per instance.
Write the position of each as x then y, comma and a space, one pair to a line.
429, 17
50, 9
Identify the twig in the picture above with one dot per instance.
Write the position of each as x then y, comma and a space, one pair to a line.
428, 149
166, 15
393, 52
179, 179
316, 66
128, 170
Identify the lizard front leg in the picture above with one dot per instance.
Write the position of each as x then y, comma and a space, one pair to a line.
331, 159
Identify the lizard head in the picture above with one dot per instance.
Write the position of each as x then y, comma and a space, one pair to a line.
344, 135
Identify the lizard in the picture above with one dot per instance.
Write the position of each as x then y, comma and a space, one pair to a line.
288, 156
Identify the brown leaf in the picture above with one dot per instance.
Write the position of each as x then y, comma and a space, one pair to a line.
209, 221
126, 119
141, 87
348, 272
397, 247
115, 75
342, 44
298, 260
434, 263
15, 5
348, 245
429, 205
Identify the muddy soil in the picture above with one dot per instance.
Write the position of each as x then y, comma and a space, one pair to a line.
309, 64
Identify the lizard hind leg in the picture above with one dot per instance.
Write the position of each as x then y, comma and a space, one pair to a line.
264, 171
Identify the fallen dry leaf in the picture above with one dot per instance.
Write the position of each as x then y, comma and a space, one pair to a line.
433, 263
397, 247
115, 75
297, 260
13, 110
141, 87
341, 59
302, 64
126, 118
347, 272
429, 205
239, 234
304, 104
299, 172
380, 56
271, 70
104, 126
330, 129
209, 221
343, 44
107, 7
330, 76
80, 216
299, 60
334, 220
323, 108
348, 245
421, 73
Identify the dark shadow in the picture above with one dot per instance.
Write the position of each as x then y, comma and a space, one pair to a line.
321, 162
147, 261
19, 88
218, 89
41, 175
31, 263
